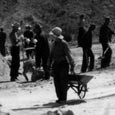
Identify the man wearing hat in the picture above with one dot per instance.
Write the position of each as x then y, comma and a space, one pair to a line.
42, 50
60, 59
105, 35
15, 52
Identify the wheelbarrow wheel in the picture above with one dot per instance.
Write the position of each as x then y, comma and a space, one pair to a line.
82, 91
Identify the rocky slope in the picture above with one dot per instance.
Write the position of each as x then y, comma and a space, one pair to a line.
63, 13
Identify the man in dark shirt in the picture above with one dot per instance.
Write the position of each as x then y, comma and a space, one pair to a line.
104, 38
60, 60
81, 31
28, 34
42, 50
80, 38
88, 62
15, 52
2, 41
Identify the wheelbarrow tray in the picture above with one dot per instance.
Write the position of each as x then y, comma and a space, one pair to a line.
79, 78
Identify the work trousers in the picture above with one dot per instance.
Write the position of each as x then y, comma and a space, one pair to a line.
15, 64
60, 73
107, 53
41, 60
88, 60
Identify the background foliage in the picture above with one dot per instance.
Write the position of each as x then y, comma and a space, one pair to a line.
49, 13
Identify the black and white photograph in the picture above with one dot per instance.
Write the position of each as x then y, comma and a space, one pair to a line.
57, 57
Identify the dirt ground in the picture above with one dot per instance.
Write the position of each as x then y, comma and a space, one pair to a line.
38, 98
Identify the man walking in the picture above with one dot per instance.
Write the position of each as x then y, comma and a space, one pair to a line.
60, 60
88, 62
80, 38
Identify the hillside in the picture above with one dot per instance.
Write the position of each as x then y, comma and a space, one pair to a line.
63, 13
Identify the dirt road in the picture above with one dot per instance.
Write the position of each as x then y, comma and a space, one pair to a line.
19, 98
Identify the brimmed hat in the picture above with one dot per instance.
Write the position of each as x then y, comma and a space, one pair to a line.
57, 32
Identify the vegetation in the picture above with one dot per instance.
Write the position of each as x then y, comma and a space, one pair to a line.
63, 13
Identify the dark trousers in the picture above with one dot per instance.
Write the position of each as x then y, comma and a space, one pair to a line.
42, 60
15, 64
88, 60
60, 72
107, 53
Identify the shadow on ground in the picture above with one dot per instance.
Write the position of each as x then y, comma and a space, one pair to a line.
51, 105
5, 81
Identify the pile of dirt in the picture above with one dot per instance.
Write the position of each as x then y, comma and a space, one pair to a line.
4, 69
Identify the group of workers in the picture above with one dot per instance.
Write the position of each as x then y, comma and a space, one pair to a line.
57, 56
33, 42
85, 42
